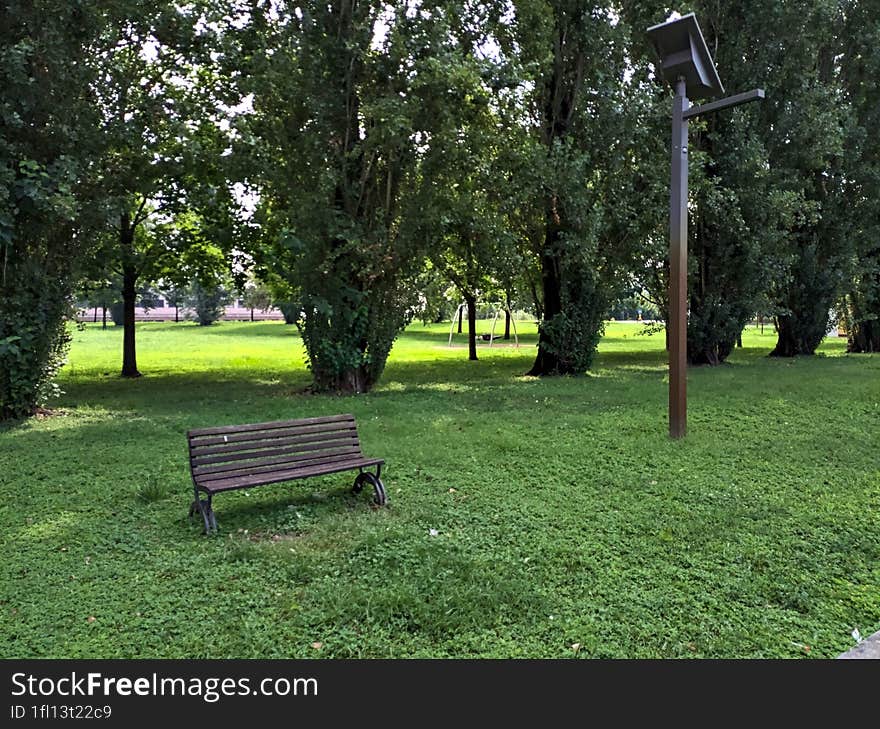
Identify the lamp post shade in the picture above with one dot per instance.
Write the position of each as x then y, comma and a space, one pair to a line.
683, 54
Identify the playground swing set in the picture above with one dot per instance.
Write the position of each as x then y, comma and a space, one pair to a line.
490, 337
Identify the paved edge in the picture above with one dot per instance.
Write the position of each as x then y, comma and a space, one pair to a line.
868, 648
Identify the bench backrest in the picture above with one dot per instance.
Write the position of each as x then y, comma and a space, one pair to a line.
246, 450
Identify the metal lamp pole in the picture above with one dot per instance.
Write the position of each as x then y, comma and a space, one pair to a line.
678, 240
685, 63
678, 224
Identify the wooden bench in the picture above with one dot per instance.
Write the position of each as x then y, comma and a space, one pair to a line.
244, 456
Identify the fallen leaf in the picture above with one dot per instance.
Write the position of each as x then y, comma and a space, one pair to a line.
91, 618
575, 647
317, 645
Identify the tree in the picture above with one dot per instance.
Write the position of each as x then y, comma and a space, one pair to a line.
807, 128
207, 299
582, 101
158, 92
736, 211
860, 76
437, 299
281, 293
48, 142
174, 293
256, 295
459, 203
332, 144
766, 215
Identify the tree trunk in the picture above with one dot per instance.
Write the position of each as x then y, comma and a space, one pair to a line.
739, 340
129, 350
864, 337
539, 308
103, 317
129, 295
472, 326
176, 319
507, 315
712, 356
95, 318
460, 312
252, 314
547, 363
352, 381
794, 338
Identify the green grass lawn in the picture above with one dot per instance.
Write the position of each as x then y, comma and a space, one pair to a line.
563, 513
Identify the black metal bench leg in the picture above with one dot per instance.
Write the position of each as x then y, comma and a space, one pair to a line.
380, 498
204, 509
212, 520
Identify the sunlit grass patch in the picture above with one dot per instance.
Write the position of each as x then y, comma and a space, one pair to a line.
526, 515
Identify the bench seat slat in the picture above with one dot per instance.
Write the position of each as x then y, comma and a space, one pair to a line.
210, 478
196, 451
274, 448
256, 465
275, 433
198, 432
242, 482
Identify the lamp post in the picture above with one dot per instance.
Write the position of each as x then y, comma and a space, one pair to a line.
686, 64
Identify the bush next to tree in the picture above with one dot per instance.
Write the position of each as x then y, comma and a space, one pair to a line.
584, 106
332, 147
46, 140
207, 301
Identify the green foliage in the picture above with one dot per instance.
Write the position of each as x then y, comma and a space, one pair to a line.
331, 147
207, 300
281, 293
861, 308
256, 295
117, 313
438, 300
572, 335
161, 97
33, 340
461, 204
771, 218
569, 517
861, 87
47, 140
587, 106
806, 127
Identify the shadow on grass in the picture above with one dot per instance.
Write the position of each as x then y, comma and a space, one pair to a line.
238, 509
251, 329
209, 397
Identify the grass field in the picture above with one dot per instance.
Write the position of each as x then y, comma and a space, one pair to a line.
528, 518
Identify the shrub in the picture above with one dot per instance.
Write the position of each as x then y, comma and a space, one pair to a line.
207, 302
33, 338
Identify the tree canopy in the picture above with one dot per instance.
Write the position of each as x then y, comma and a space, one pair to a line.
357, 157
